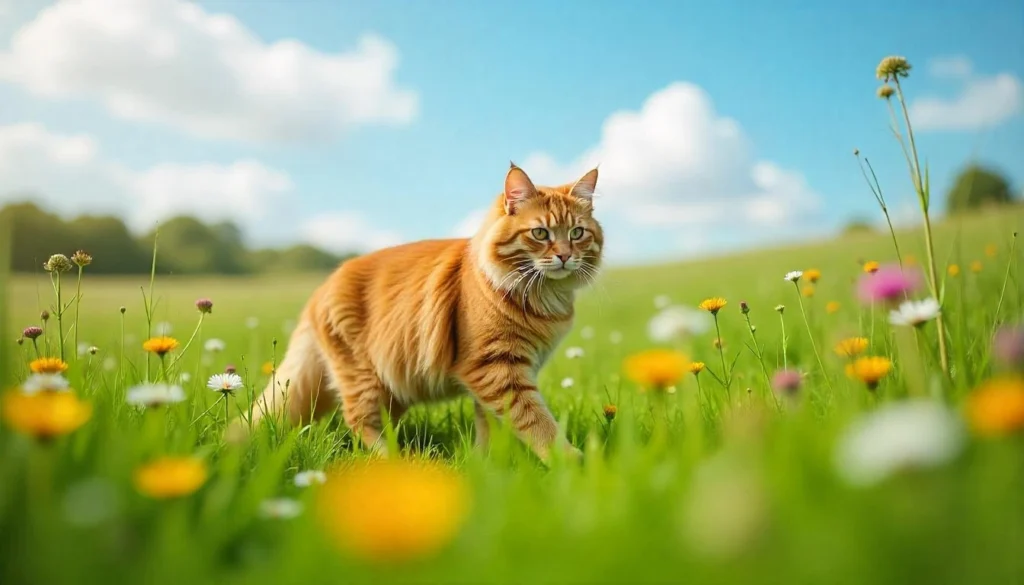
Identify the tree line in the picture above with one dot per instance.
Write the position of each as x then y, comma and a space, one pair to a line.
186, 245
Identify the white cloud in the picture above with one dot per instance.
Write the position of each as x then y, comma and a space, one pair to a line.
951, 67
347, 232
677, 163
170, 62
981, 102
70, 174
469, 224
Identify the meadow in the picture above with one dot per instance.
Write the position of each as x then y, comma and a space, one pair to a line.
842, 411
737, 485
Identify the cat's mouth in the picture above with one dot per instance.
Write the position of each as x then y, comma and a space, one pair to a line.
556, 273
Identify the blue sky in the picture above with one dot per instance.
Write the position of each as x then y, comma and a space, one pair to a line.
717, 125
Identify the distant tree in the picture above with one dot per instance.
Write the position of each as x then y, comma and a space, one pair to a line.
36, 235
300, 258
858, 226
108, 241
977, 187
188, 246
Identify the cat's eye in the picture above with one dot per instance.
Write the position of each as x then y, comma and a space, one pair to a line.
539, 233
576, 233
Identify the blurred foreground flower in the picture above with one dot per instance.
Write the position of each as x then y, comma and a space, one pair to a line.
45, 415
976, 266
832, 307
310, 477
889, 283
892, 68
786, 382
991, 250
153, 395
393, 510
915, 313
160, 345
899, 435
214, 345
1008, 345
170, 477
574, 352
953, 270
267, 368
280, 508
567, 382
726, 509
997, 407
871, 267
813, 275
656, 368
869, 370
48, 365
676, 323
45, 383
851, 347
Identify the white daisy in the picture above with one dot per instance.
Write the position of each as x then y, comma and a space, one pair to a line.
615, 337
164, 328
567, 382
794, 275
154, 395
662, 301
587, 332
915, 313
45, 383
214, 345
574, 352
280, 508
676, 322
225, 382
909, 434
310, 477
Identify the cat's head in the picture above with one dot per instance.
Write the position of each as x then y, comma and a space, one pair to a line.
547, 232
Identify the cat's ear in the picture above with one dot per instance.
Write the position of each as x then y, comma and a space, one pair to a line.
586, 185
518, 188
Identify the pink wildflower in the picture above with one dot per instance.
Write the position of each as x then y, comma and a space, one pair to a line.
786, 381
890, 283
1008, 345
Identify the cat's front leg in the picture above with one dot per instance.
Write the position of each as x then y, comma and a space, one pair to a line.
508, 391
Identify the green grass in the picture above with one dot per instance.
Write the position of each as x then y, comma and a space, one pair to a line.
737, 489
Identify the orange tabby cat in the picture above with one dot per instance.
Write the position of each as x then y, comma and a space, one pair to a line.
433, 319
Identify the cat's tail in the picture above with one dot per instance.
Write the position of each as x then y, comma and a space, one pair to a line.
297, 389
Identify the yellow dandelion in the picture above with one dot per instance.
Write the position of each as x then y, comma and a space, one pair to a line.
170, 477
45, 415
696, 368
871, 267
812, 274
656, 368
393, 509
267, 368
991, 250
953, 270
48, 365
832, 307
713, 305
160, 345
997, 407
976, 266
807, 291
869, 370
851, 347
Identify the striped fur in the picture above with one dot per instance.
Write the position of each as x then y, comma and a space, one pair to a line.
434, 319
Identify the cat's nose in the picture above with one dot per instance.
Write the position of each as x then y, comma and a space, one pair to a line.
564, 258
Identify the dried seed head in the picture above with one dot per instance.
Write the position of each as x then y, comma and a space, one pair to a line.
93, 350
892, 67
81, 258
204, 305
32, 332
885, 91
856, 152
20, 340
57, 263
780, 308
45, 316
744, 307
229, 369
123, 309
